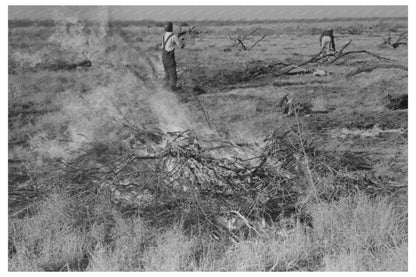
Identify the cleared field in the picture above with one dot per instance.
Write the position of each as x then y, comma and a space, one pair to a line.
248, 167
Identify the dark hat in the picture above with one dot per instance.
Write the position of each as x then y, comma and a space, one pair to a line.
169, 26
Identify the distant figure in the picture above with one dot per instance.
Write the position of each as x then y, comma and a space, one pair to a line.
327, 41
169, 42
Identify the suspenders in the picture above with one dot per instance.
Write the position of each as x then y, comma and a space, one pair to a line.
165, 41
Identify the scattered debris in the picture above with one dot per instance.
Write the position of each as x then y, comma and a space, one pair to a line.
319, 73
256, 70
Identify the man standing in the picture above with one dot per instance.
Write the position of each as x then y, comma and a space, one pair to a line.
169, 42
327, 41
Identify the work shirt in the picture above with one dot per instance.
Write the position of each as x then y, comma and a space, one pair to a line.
171, 43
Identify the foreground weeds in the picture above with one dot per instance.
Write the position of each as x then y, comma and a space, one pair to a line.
361, 234
353, 234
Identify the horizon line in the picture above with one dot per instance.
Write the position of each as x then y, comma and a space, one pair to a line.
233, 20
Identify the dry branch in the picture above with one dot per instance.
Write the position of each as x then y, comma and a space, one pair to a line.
240, 40
345, 46
250, 33
341, 54
237, 41
315, 58
387, 41
288, 69
241, 43
368, 53
399, 40
372, 67
257, 42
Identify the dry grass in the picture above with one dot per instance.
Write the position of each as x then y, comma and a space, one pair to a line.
353, 234
360, 234
48, 240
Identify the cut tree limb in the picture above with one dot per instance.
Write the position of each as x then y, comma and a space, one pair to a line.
372, 67
287, 69
242, 44
317, 58
250, 33
238, 41
322, 59
341, 54
345, 46
368, 53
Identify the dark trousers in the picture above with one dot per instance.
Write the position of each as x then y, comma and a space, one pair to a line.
169, 64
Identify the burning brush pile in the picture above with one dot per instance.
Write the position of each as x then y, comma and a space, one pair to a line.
202, 181
218, 186
222, 187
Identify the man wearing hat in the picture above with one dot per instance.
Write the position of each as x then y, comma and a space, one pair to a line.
169, 42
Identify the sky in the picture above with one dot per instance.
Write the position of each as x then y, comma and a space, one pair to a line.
204, 12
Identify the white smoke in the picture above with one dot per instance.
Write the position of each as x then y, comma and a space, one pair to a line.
123, 98
72, 34
173, 116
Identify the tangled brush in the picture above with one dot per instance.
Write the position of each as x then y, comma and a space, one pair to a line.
209, 183
181, 176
